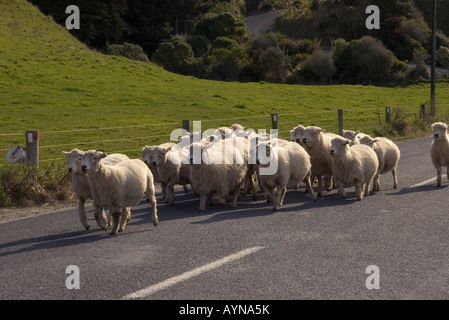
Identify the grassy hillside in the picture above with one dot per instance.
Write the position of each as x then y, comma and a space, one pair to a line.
79, 98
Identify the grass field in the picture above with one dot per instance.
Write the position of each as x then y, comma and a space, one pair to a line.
80, 98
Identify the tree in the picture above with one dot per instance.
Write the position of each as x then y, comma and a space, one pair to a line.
222, 25
226, 64
175, 55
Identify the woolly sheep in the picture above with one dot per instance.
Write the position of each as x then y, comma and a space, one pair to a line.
171, 172
353, 165
439, 149
119, 186
317, 144
293, 166
388, 155
217, 173
80, 181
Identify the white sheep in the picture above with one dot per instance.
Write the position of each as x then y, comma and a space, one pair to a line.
317, 144
119, 186
293, 166
439, 150
147, 157
353, 165
388, 155
80, 181
171, 172
219, 170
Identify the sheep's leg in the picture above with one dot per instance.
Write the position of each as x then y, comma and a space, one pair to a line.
367, 187
115, 221
309, 187
277, 197
281, 200
341, 189
358, 191
186, 189
320, 186
100, 216
82, 212
236, 195
164, 190
151, 196
438, 176
170, 194
203, 199
125, 218
395, 178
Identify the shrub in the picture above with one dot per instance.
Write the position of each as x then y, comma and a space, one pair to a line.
443, 56
200, 45
222, 25
175, 55
127, 50
226, 64
373, 59
269, 65
321, 65
224, 42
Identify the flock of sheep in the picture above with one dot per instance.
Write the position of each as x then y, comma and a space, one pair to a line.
231, 161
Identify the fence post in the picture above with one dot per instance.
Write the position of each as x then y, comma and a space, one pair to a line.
275, 121
422, 111
388, 115
186, 125
32, 147
340, 122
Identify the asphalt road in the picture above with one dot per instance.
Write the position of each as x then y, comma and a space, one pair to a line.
305, 250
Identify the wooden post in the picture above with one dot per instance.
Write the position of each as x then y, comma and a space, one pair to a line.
388, 115
186, 125
422, 111
32, 147
341, 125
275, 121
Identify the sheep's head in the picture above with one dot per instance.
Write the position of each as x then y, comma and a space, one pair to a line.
439, 130
74, 160
159, 155
147, 154
339, 146
368, 140
91, 160
297, 134
312, 136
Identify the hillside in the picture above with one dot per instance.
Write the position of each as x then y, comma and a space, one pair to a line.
76, 97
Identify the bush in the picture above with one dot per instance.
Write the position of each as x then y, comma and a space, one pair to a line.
200, 45
224, 42
175, 55
269, 65
320, 65
127, 50
222, 25
373, 59
226, 64
443, 56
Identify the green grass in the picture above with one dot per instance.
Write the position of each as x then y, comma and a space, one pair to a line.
80, 98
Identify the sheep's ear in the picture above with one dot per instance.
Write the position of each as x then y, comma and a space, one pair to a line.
375, 140
66, 153
103, 155
356, 133
348, 141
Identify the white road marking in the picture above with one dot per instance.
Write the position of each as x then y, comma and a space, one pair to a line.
424, 182
190, 274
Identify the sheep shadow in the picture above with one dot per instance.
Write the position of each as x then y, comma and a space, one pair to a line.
423, 188
54, 241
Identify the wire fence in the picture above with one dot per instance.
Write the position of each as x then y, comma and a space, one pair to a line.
131, 139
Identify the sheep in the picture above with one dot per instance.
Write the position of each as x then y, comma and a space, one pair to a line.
147, 157
388, 155
353, 165
119, 186
220, 170
439, 149
317, 143
80, 181
171, 172
293, 166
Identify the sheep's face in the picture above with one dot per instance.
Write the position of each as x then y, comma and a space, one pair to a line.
367, 140
91, 160
158, 158
263, 152
439, 130
297, 134
312, 136
74, 160
147, 155
339, 146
